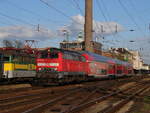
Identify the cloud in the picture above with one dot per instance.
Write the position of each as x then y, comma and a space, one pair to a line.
100, 28
21, 32
24, 33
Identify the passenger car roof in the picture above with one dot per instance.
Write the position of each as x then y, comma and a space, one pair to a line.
100, 58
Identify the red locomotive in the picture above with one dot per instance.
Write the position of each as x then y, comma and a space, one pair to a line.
59, 66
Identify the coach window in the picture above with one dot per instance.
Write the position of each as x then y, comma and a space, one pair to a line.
67, 56
119, 71
64, 56
71, 57
130, 71
110, 67
103, 71
75, 57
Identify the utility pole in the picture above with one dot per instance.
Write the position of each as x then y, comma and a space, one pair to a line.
38, 28
88, 27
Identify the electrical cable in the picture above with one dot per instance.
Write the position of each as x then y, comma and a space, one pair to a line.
30, 12
16, 19
57, 10
78, 6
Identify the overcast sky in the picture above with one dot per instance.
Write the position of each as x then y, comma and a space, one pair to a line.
19, 19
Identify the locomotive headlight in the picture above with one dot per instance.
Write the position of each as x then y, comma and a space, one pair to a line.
48, 64
53, 64
41, 64
55, 69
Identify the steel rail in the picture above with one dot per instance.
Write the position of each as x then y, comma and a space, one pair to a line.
41, 107
115, 108
80, 107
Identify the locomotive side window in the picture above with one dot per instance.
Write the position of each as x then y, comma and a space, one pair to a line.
17, 59
82, 59
32, 60
103, 71
27, 60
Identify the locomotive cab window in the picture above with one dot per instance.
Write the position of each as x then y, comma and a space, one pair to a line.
53, 55
1, 56
43, 55
6, 58
17, 59
49, 55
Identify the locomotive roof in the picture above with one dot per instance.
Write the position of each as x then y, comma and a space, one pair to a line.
14, 51
61, 50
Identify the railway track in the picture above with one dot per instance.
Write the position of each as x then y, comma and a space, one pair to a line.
114, 108
85, 105
76, 105
29, 90
63, 100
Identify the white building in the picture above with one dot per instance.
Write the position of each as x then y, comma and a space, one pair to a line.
145, 67
137, 60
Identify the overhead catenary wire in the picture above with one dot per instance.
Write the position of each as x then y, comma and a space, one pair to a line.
109, 18
58, 10
31, 12
16, 19
20, 20
132, 19
78, 6
105, 17
130, 16
135, 9
7, 23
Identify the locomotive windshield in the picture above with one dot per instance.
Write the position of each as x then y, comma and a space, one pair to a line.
49, 55
6, 58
